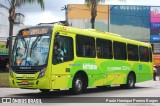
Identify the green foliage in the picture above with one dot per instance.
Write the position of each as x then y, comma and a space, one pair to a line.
19, 3
13, 5
91, 2
2, 46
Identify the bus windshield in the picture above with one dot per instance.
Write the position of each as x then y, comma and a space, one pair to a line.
31, 50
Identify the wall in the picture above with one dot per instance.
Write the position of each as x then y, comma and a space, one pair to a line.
79, 16
4, 23
132, 22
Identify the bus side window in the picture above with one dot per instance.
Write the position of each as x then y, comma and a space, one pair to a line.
85, 46
132, 52
144, 53
104, 48
119, 50
63, 49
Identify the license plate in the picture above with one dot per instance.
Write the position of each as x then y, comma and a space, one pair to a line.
24, 82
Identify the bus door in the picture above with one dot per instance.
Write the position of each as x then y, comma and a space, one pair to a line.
62, 60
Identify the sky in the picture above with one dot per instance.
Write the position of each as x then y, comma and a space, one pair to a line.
52, 13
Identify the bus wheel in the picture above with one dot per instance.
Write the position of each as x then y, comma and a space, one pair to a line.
44, 90
130, 81
78, 84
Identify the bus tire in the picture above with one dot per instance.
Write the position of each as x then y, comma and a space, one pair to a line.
44, 90
77, 85
130, 81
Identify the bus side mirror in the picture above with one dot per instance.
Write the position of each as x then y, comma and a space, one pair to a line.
57, 33
7, 43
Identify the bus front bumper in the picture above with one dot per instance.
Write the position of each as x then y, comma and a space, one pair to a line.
42, 83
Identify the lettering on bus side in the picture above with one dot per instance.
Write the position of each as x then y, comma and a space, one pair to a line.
115, 68
88, 66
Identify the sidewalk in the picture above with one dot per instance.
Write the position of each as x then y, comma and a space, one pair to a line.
150, 83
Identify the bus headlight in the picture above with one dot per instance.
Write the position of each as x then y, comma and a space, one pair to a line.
42, 73
11, 73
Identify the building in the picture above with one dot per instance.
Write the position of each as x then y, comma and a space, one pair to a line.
79, 16
131, 22
134, 22
127, 21
4, 32
4, 23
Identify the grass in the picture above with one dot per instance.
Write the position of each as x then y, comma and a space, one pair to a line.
4, 79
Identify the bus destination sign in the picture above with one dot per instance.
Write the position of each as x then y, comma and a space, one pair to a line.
34, 31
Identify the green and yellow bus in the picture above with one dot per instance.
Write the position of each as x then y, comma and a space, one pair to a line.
60, 57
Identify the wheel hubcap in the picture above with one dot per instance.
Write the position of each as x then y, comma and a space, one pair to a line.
131, 81
78, 84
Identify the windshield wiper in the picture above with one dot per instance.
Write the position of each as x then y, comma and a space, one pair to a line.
35, 43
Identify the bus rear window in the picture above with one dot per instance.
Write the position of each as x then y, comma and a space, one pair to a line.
150, 54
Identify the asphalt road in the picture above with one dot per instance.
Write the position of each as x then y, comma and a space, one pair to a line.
93, 96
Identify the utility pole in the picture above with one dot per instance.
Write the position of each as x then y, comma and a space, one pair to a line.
65, 8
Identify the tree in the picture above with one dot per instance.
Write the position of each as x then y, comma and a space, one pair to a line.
92, 4
13, 5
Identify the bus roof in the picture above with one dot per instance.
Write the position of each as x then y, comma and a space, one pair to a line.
101, 34
96, 34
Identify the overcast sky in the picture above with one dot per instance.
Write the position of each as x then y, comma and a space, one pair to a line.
52, 13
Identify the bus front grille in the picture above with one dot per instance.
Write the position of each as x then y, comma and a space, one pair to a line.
26, 71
